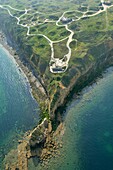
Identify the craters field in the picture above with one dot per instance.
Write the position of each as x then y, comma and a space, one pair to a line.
62, 46
59, 40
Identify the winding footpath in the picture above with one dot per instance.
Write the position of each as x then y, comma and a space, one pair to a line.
56, 65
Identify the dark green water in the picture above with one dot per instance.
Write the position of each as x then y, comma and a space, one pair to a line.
88, 121
18, 110
88, 137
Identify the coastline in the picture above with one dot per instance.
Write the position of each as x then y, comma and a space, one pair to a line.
36, 88
29, 77
47, 142
81, 82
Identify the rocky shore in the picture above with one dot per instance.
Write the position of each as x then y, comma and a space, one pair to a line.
26, 147
22, 68
40, 142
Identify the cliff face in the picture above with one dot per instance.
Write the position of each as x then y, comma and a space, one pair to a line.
102, 61
22, 53
57, 87
38, 142
52, 91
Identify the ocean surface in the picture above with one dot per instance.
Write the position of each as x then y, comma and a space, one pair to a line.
88, 120
88, 130
18, 110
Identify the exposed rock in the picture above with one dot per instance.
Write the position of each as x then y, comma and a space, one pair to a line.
29, 147
39, 134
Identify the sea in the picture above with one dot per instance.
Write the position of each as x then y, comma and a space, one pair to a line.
19, 112
88, 120
88, 130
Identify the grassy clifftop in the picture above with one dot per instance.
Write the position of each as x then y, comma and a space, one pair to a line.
91, 44
40, 32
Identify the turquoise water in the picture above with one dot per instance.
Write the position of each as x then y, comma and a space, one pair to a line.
18, 110
88, 121
88, 130
88, 138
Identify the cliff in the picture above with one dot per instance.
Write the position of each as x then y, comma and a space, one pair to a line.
93, 55
57, 87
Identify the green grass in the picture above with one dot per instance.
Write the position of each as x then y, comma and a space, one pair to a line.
60, 49
90, 33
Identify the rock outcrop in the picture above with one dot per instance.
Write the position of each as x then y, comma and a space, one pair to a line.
30, 146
